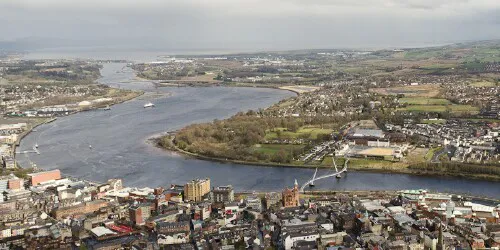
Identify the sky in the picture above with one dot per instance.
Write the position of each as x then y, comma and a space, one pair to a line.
249, 24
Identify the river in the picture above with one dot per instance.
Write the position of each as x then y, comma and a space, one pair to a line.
119, 149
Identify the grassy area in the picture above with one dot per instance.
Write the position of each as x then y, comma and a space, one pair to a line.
271, 149
431, 152
423, 101
417, 155
442, 108
439, 66
375, 164
483, 84
328, 161
285, 103
437, 121
485, 54
304, 132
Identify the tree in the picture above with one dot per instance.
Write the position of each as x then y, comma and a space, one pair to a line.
281, 156
279, 133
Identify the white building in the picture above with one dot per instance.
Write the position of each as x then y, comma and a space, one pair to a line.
292, 238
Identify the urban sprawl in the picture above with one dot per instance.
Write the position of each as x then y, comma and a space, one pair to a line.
431, 111
49, 210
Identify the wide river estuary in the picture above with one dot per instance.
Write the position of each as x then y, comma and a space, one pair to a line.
119, 149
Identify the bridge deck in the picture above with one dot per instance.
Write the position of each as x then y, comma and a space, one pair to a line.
324, 176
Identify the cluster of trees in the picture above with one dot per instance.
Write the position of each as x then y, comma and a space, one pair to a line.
458, 168
236, 137
62, 72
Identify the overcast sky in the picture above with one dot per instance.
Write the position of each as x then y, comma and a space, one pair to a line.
251, 24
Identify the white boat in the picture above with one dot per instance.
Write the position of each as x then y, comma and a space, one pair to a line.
90, 146
36, 145
149, 105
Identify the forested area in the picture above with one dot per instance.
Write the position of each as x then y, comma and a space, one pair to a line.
458, 168
236, 137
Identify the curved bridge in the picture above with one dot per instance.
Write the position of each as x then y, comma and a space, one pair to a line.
324, 176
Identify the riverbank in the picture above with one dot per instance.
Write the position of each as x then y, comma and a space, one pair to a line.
358, 167
27, 132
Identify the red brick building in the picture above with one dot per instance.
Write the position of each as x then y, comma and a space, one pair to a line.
15, 184
37, 178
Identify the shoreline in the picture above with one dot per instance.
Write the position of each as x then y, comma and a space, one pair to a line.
407, 171
27, 132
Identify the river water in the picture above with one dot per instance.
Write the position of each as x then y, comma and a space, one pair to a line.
119, 149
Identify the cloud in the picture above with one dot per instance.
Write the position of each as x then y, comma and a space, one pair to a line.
252, 23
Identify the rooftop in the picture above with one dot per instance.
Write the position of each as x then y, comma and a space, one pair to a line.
361, 132
101, 231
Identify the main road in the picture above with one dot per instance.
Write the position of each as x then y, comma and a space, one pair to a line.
120, 149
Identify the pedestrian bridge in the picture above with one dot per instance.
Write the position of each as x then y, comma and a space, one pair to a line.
316, 178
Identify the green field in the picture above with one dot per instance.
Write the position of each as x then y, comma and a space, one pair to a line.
304, 132
442, 108
424, 101
274, 148
484, 54
438, 121
431, 152
483, 84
